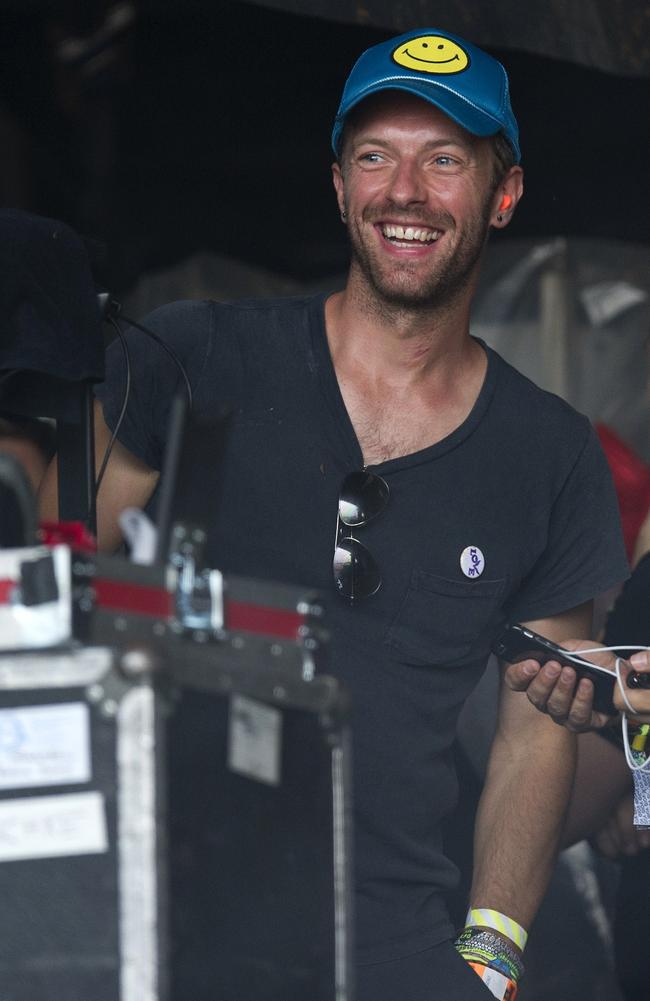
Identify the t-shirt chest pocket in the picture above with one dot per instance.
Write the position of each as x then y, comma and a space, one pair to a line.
440, 620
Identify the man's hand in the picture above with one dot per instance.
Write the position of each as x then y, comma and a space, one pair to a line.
552, 689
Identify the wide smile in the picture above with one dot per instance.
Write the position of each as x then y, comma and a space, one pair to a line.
414, 238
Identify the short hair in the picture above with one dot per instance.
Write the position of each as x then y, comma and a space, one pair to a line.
504, 157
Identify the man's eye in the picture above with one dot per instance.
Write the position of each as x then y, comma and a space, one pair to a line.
371, 157
445, 161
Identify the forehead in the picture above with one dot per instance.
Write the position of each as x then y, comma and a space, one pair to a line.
394, 112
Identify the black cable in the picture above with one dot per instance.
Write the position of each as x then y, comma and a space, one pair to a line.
110, 308
172, 354
127, 390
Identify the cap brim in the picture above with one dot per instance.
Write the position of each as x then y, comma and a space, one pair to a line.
462, 111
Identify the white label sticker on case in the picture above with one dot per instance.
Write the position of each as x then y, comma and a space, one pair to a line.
52, 826
44, 745
254, 739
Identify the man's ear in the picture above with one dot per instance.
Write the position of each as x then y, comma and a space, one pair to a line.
506, 197
339, 187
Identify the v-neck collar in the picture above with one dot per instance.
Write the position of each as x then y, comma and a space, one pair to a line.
336, 405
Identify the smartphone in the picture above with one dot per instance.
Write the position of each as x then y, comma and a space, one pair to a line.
518, 643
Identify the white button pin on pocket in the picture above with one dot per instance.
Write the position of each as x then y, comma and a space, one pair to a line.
472, 561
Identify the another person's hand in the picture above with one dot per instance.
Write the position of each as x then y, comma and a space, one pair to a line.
552, 689
638, 697
618, 835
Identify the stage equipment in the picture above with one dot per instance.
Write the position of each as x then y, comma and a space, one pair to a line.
173, 786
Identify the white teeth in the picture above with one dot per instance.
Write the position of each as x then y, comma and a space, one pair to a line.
411, 234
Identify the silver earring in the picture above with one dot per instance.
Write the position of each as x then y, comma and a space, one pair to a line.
499, 217
344, 215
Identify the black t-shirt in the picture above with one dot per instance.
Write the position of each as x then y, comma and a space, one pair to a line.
522, 479
629, 620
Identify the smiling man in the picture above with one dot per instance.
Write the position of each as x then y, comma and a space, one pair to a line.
380, 452
418, 193
427, 163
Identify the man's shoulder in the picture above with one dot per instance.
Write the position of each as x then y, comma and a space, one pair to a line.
280, 314
530, 402
279, 310
205, 308
538, 425
285, 303
202, 323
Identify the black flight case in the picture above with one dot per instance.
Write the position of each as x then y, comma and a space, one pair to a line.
174, 817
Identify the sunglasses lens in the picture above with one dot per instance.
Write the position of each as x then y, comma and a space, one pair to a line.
355, 572
363, 496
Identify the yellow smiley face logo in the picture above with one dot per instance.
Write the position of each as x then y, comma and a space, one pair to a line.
431, 54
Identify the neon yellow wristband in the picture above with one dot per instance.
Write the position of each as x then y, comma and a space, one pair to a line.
485, 917
641, 737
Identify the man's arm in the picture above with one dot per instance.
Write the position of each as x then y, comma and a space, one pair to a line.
626, 623
127, 482
527, 789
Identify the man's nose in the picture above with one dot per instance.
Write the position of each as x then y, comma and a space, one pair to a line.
406, 183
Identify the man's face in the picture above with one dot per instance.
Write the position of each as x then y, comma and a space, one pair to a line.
419, 195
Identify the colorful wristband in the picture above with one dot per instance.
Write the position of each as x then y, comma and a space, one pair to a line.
478, 956
492, 949
485, 917
502, 988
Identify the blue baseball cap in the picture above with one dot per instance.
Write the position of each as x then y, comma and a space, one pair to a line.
463, 81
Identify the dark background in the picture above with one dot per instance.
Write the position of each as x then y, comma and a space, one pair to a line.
205, 126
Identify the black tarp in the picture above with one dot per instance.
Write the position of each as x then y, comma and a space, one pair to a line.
610, 35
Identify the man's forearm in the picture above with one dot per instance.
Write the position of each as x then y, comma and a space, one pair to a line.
520, 818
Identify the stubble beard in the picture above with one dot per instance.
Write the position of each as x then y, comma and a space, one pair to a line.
403, 286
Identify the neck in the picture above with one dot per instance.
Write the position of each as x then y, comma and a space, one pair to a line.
406, 342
